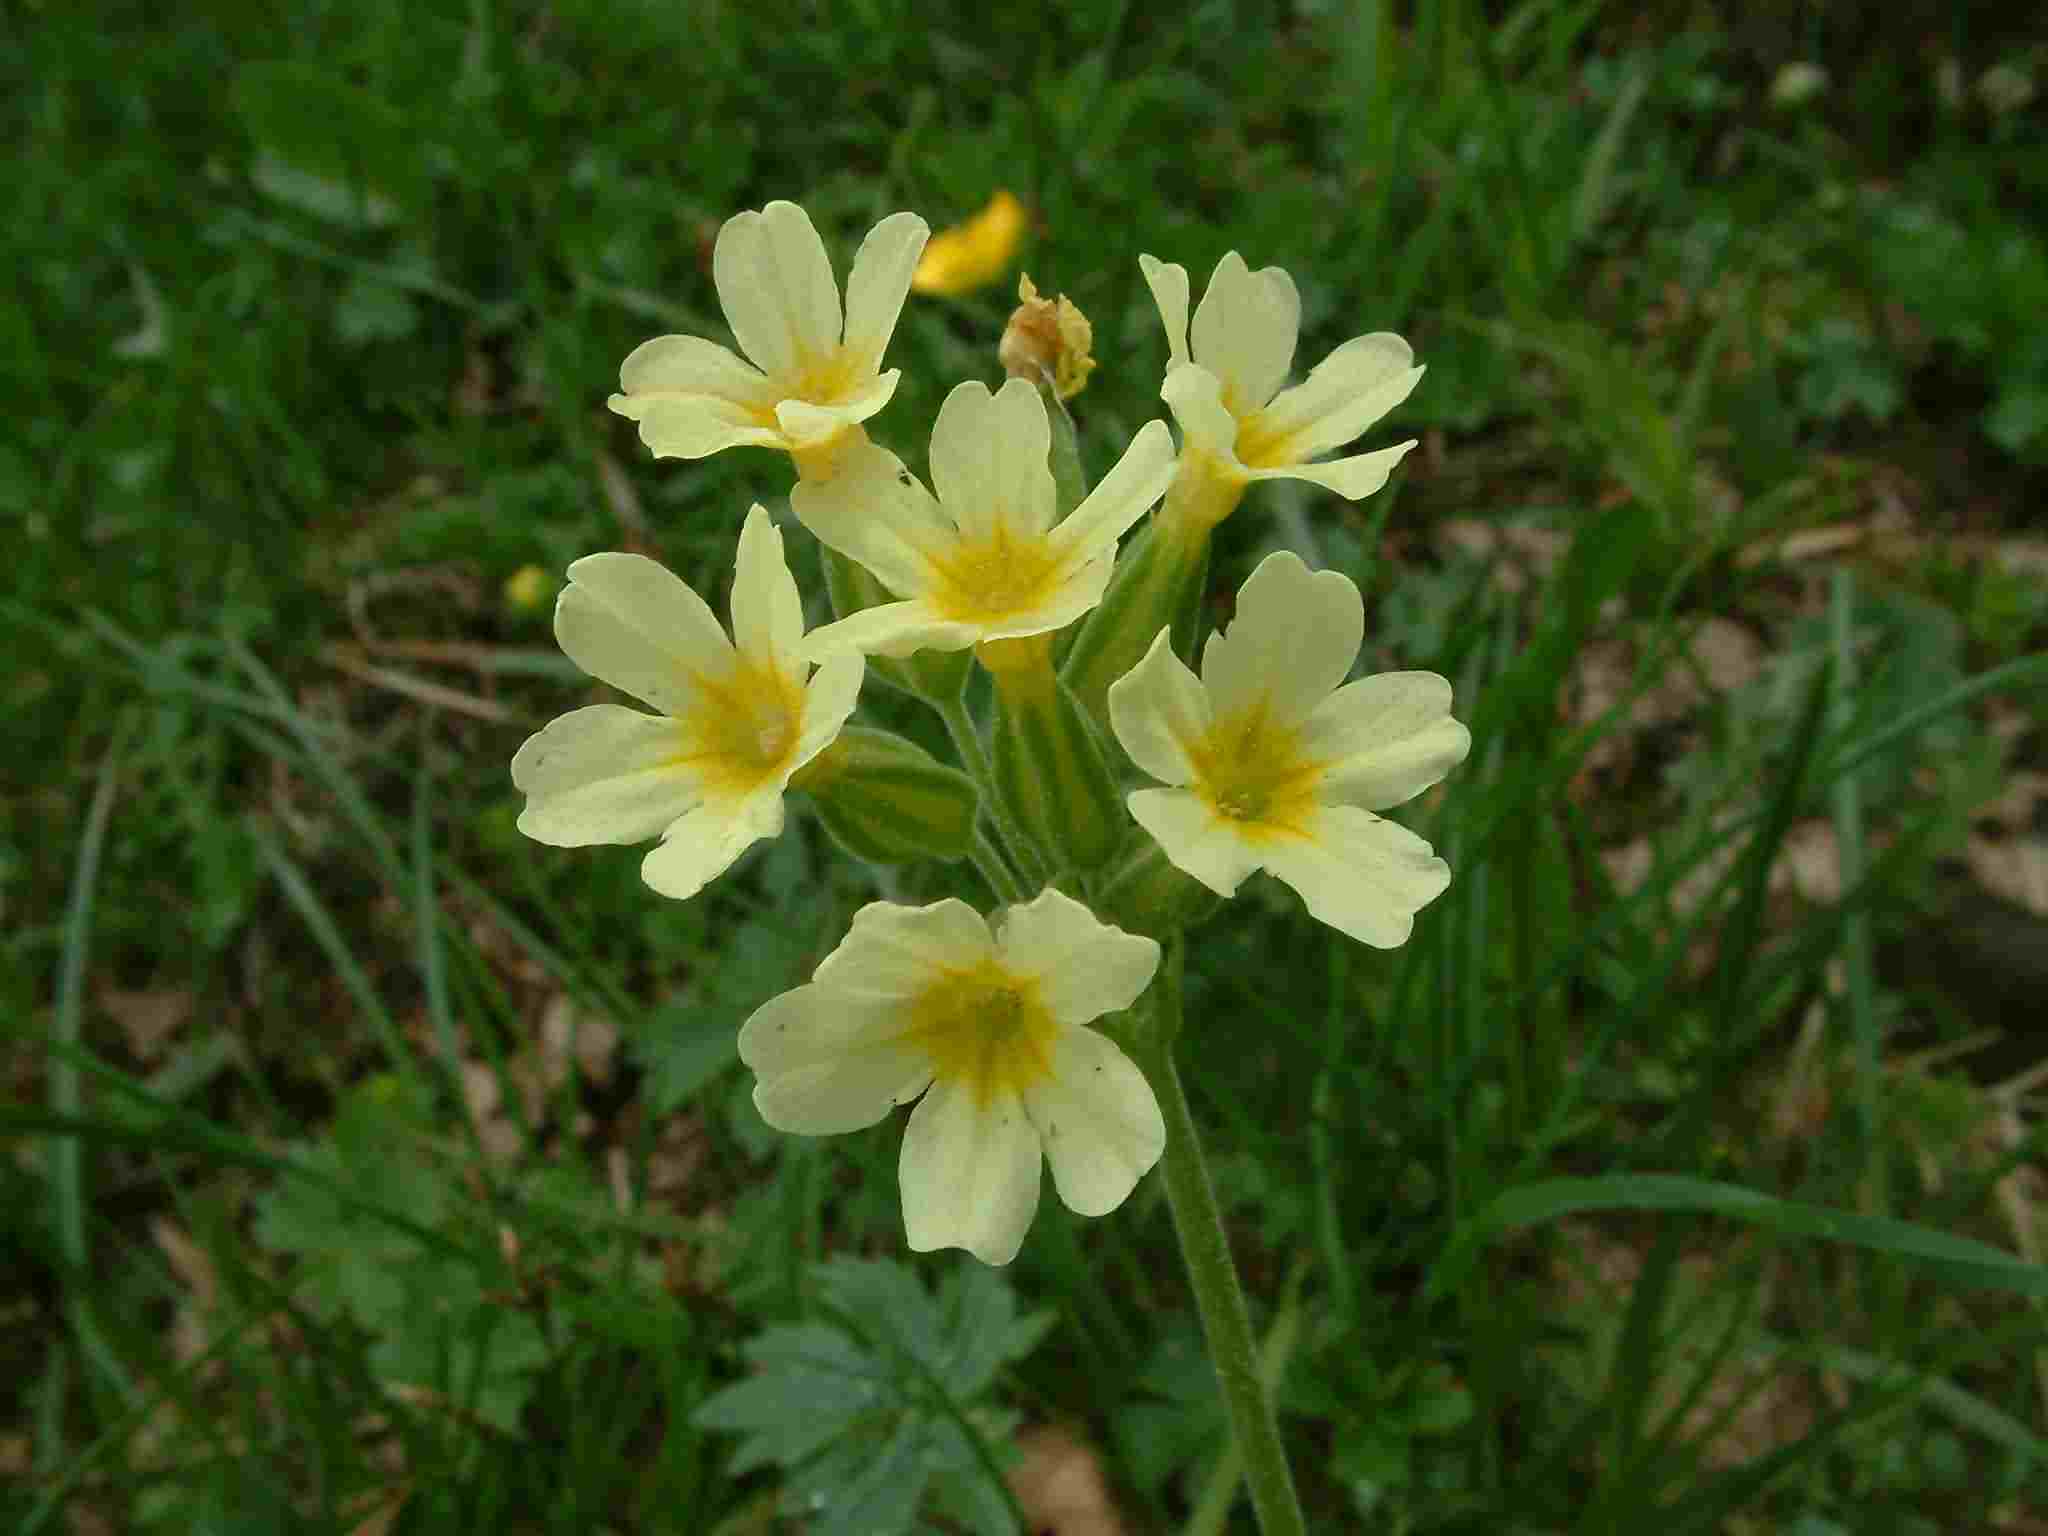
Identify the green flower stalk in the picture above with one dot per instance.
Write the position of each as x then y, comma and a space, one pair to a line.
1047, 764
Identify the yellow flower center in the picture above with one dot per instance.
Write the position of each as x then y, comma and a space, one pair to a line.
992, 579
1254, 773
986, 1028
743, 729
1259, 446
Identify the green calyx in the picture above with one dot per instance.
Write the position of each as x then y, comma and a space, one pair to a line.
1143, 892
1158, 582
1050, 769
887, 800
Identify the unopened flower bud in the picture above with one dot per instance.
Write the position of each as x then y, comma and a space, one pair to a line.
889, 801
1047, 339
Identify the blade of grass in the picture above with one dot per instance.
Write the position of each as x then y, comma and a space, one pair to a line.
1847, 796
66, 1096
1960, 1262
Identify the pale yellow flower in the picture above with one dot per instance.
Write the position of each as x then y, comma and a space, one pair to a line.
988, 1023
1273, 765
974, 254
737, 716
812, 374
984, 559
1224, 378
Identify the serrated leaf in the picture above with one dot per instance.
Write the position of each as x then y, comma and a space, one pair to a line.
814, 1385
856, 1491
866, 1408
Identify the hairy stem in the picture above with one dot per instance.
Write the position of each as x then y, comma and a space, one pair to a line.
1198, 1222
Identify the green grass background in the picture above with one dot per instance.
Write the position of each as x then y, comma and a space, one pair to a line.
312, 310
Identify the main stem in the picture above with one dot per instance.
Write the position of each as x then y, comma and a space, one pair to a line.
1198, 1222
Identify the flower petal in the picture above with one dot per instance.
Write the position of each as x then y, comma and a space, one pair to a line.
828, 1064
1169, 284
1195, 396
894, 951
1085, 967
695, 426
990, 458
704, 844
1361, 875
767, 608
1294, 636
690, 365
1156, 709
636, 625
829, 699
776, 284
970, 1173
1120, 497
605, 774
849, 1094
877, 285
1343, 395
1353, 478
1197, 840
807, 423
875, 511
1098, 1122
1386, 739
1245, 329
894, 629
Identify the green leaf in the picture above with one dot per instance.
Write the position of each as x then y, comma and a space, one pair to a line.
866, 1408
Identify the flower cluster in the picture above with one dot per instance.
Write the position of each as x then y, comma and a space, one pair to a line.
1113, 790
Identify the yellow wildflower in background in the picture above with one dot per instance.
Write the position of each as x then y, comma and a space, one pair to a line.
988, 1021
813, 372
1272, 765
738, 716
974, 254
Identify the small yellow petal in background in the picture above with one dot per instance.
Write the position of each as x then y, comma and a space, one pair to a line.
974, 254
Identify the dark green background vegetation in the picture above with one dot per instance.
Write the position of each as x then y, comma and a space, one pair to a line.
406, 1172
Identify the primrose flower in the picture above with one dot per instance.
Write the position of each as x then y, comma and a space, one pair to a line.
974, 254
1275, 766
738, 716
1223, 383
984, 559
811, 376
988, 1022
